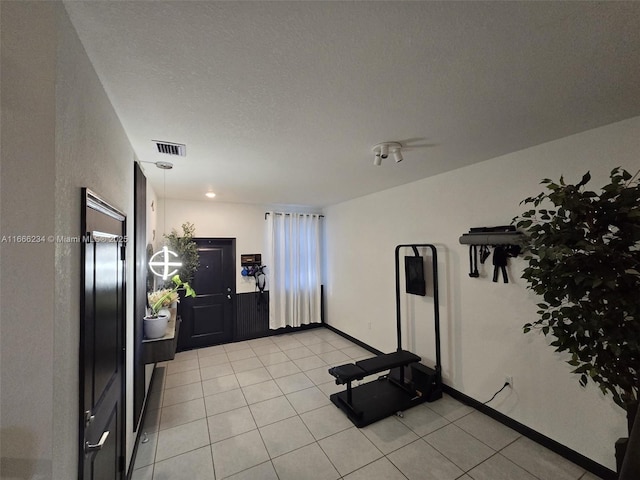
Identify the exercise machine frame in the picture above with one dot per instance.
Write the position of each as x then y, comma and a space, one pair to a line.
398, 390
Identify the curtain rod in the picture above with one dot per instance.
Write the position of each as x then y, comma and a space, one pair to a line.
287, 214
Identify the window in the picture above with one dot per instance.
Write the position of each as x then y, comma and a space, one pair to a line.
294, 285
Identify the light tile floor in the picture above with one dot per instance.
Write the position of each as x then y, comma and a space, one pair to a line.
260, 410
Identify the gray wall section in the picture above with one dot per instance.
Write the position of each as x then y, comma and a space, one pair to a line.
59, 133
27, 269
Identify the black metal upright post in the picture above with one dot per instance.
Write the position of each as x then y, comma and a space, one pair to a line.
436, 301
398, 313
436, 309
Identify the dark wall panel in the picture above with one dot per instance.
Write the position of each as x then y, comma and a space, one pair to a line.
140, 288
252, 319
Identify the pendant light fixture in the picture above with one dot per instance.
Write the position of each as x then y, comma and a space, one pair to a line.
164, 263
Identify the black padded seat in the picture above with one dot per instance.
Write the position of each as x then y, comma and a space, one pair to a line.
347, 373
387, 361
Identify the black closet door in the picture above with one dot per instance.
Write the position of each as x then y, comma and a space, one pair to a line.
102, 339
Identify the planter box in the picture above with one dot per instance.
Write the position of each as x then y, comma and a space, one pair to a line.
164, 348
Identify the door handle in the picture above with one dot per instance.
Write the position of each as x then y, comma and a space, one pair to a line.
94, 447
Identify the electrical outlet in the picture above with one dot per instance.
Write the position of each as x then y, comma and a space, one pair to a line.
509, 379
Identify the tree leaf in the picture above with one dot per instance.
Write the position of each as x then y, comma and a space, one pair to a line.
585, 179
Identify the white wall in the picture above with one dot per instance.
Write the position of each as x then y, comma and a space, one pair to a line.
27, 272
482, 337
62, 134
246, 223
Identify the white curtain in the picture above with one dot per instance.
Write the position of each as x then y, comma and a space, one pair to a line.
294, 274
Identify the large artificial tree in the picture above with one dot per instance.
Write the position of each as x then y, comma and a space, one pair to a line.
583, 254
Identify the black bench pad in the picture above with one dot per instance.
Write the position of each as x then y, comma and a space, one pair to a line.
349, 372
387, 361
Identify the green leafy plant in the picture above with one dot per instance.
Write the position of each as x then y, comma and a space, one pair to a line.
583, 253
164, 297
186, 249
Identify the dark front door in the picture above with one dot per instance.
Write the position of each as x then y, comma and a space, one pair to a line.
102, 421
208, 318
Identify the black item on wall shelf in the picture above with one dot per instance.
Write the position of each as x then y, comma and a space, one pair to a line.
484, 253
500, 263
501, 254
473, 261
499, 229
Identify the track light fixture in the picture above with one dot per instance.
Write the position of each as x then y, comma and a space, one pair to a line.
384, 150
381, 151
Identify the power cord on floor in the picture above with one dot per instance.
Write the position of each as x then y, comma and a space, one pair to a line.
506, 384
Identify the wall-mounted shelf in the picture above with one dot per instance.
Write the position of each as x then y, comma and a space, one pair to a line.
503, 235
163, 348
515, 238
506, 242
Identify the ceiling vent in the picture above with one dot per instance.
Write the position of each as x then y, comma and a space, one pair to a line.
169, 148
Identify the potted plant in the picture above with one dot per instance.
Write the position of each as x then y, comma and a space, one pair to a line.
583, 254
187, 250
155, 323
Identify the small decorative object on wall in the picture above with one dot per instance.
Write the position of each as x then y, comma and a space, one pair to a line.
164, 263
250, 259
583, 251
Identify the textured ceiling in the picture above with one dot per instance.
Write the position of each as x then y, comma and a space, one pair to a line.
281, 102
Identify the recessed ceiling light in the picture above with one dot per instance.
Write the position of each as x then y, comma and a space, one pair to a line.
210, 194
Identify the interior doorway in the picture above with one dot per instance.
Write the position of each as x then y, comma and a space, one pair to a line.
209, 318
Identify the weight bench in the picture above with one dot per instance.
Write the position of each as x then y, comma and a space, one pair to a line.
357, 371
379, 398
